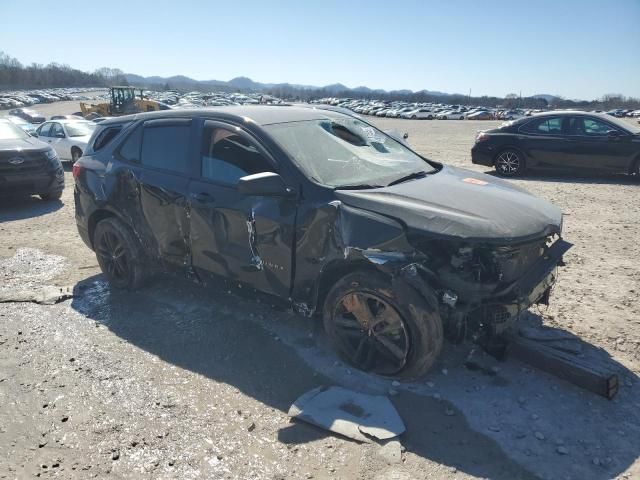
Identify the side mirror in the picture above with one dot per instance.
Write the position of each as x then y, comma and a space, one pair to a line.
613, 133
265, 184
33, 134
60, 135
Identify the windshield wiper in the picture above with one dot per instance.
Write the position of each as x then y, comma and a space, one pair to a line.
357, 186
410, 176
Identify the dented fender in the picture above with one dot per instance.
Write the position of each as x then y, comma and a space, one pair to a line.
335, 239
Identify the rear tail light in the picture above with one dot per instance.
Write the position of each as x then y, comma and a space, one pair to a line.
481, 137
76, 170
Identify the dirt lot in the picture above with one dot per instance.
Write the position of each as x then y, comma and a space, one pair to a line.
179, 381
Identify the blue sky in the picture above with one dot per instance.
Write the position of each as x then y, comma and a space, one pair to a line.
573, 48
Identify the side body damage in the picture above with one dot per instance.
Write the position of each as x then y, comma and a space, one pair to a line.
479, 286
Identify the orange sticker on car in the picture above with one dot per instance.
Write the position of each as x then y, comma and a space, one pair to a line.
475, 181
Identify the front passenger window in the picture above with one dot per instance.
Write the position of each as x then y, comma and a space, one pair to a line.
228, 156
43, 131
56, 130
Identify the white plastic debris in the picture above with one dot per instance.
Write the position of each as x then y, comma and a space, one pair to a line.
355, 415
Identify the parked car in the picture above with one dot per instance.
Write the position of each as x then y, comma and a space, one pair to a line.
326, 211
23, 124
560, 140
68, 137
27, 165
27, 114
418, 114
482, 115
451, 115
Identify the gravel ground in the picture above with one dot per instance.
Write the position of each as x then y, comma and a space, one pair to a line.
181, 381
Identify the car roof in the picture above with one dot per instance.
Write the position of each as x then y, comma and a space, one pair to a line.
258, 114
561, 113
69, 120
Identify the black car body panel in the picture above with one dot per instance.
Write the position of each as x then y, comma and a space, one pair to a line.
448, 231
26, 168
457, 203
613, 148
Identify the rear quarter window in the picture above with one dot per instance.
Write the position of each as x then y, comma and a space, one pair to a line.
104, 137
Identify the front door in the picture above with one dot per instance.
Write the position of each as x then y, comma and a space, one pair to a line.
594, 147
240, 237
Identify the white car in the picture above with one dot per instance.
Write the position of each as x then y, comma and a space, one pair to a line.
68, 138
451, 115
419, 113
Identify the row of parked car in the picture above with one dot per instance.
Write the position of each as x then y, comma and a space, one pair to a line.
26, 98
442, 111
425, 111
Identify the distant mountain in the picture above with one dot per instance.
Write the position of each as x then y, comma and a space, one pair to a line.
547, 97
181, 82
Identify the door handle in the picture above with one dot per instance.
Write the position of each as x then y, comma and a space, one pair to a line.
202, 197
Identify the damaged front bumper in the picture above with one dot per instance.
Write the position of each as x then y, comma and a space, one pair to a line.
491, 313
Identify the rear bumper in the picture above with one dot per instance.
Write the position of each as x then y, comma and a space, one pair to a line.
482, 156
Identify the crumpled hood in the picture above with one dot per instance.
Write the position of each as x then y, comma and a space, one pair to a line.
463, 204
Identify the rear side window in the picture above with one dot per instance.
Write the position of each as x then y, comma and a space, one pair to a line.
167, 147
549, 126
105, 136
130, 149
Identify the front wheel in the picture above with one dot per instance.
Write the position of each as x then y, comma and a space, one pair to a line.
509, 163
119, 254
378, 333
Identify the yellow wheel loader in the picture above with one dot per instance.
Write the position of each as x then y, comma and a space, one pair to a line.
123, 101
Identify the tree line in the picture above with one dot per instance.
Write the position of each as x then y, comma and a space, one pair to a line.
16, 76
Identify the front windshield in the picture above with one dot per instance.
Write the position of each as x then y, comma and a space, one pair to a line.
626, 125
344, 151
8, 131
80, 129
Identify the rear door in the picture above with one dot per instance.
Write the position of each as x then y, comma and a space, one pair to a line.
165, 155
594, 147
545, 142
245, 238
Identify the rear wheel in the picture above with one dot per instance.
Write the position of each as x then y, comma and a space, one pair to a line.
509, 163
119, 254
376, 332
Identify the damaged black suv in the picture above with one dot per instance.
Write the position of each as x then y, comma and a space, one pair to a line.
396, 252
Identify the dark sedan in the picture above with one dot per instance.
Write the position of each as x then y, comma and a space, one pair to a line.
27, 165
27, 114
560, 140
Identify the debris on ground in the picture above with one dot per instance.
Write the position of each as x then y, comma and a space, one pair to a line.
47, 295
391, 452
355, 415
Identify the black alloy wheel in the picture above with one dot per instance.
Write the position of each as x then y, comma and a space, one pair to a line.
509, 163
